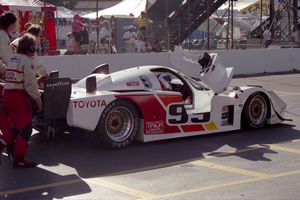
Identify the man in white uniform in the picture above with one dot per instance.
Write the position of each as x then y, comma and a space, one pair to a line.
130, 38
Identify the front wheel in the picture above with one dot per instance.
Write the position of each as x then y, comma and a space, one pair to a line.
118, 124
255, 111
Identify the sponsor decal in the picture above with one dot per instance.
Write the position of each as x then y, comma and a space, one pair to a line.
57, 84
89, 104
14, 76
133, 83
154, 127
10, 76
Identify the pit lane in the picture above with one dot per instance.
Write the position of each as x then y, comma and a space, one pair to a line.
260, 164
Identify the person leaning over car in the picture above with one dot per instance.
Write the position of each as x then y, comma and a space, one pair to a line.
20, 89
35, 30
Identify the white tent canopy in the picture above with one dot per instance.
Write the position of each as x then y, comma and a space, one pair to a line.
125, 8
63, 12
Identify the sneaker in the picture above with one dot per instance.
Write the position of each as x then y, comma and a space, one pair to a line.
24, 164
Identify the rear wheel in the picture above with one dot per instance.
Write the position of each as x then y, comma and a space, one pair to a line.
118, 124
255, 111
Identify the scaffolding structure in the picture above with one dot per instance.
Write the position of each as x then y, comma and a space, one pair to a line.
282, 21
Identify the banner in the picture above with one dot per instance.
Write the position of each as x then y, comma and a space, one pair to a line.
255, 8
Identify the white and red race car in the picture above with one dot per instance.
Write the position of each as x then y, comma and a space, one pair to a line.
133, 104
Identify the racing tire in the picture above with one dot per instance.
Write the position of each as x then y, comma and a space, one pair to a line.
118, 124
255, 112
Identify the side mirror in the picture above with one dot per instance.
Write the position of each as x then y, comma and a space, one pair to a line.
101, 69
90, 84
204, 60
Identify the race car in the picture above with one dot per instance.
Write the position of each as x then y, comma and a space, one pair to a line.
149, 103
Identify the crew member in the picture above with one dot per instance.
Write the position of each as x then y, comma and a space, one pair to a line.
7, 26
19, 91
35, 30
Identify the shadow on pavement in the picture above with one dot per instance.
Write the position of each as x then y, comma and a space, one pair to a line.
82, 155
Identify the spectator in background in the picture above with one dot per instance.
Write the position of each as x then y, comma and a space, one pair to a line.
157, 47
103, 46
142, 20
296, 35
76, 30
267, 37
71, 43
105, 33
84, 45
93, 39
130, 39
140, 43
44, 44
101, 22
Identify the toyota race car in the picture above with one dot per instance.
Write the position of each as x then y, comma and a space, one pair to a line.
134, 104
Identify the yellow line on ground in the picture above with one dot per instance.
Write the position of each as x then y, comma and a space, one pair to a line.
212, 187
226, 184
231, 169
286, 173
281, 148
120, 188
39, 187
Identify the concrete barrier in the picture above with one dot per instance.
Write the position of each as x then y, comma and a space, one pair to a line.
249, 61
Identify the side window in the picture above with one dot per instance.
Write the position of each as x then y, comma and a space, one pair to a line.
171, 81
145, 80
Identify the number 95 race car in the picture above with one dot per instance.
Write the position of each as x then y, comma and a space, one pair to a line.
149, 103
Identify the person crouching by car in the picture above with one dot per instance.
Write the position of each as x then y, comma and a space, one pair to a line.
20, 89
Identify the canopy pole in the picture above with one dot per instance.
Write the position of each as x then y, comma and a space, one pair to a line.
97, 21
44, 29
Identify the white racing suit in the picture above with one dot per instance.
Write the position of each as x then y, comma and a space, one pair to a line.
20, 88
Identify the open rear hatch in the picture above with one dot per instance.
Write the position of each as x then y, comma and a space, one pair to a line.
214, 74
211, 72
